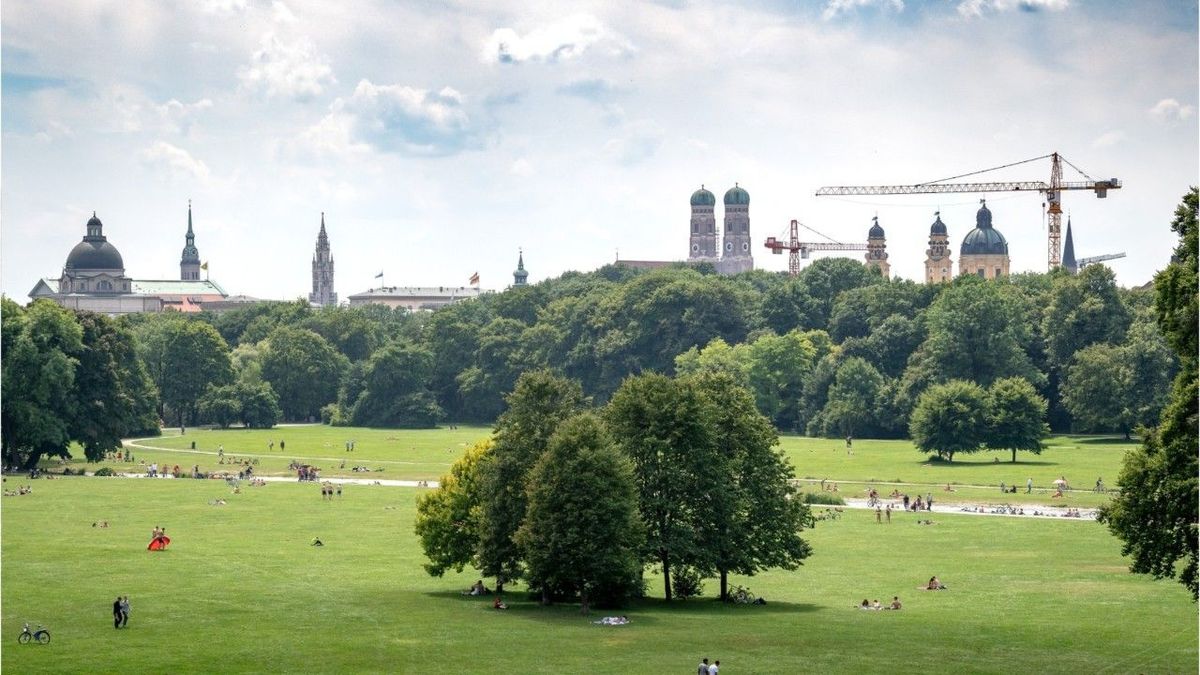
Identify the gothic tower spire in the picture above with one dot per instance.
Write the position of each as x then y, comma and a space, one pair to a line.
1068, 256
189, 262
322, 271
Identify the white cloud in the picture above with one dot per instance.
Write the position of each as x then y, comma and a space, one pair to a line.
176, 161
522, 167
1170, 110
407, 120
975, 8
639, 142
293, 70
281, 13
223, 6
559, 41
1108, 139
835, 7
54, 130
331, 137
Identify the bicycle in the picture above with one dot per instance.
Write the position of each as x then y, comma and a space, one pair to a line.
41, 635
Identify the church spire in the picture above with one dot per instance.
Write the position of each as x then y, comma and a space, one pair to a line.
322, 271
1068, 256
520, 275
189, 261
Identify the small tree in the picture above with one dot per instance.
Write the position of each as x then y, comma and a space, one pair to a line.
1016, 417
259, 405
950, 418
448, 517
581, 530
221, 405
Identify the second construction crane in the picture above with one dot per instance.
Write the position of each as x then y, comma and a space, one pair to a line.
1053, 191
800, 249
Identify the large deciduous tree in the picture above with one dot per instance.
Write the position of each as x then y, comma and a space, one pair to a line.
666, 428
396, 390
303, 369
751, 520
194, 356
1016, 417
448, 517
40, 345
1155, 513
540, 401
950, 418
581, 533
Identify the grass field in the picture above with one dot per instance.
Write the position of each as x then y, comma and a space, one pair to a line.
427, 455
241, 590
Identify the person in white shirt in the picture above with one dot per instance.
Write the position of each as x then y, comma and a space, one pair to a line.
714, 668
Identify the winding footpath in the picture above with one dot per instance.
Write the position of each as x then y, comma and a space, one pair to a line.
1040, 511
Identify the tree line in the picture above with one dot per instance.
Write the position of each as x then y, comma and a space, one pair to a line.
676, 473
834, 351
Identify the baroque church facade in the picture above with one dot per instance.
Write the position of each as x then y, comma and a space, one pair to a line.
732, 255
94, 279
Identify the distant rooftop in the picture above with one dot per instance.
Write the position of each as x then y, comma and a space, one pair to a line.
177, 287
419, 292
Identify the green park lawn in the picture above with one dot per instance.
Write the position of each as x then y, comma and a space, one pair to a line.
241, 590
427, 455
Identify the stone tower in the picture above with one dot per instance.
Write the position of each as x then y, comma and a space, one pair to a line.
735, 254
520, 276
322, 271
877, 248
189, 262
702, 245
938, 265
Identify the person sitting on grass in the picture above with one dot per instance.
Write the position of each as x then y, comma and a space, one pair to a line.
316, 542
876, 606
895, 602
476, 589
935, 584
499, 603
866, 604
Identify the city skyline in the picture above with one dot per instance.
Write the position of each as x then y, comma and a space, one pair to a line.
573, 131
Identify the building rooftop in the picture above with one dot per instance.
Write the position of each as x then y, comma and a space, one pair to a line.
177, 287
418, 291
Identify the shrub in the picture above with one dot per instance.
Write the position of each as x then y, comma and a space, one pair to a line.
105, 471
823, 498
686, 583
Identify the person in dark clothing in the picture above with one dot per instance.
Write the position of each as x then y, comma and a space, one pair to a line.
117, 614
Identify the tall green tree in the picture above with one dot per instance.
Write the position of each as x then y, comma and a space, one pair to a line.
40, 345
536, 406
1096, 390
752, 520
949, 419
193, 358
396, 392
852, 400
1084, 309
1016, 417
666, 428
581, 531
1155, 514
303, 369
113, 394
448, 518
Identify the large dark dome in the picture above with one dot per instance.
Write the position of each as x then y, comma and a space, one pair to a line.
94, 252
984, 239
95, 255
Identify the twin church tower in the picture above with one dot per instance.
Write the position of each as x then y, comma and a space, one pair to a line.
732, 255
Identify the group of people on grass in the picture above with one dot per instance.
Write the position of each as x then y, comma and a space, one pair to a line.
705, 668
877, 606
121, 612
327, 490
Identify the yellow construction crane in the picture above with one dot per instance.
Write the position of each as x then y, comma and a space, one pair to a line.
1052, 190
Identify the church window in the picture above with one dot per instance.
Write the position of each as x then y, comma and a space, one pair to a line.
979, 271
745, 246
104, 286
695, 248
695, 228
998, 272
729, 246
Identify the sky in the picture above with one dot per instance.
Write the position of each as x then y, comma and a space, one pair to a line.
439, 137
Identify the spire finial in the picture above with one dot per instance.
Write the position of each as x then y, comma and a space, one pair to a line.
983, 201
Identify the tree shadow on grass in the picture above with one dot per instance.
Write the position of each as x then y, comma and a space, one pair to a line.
976, 464
641, 612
